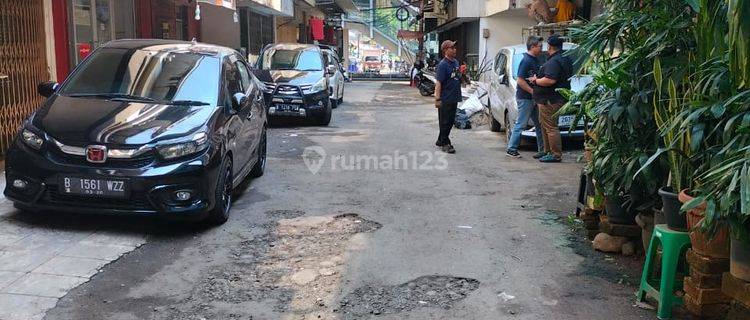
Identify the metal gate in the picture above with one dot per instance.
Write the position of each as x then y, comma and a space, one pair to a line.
23, 63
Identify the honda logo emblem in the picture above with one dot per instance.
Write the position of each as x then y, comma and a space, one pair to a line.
96, 154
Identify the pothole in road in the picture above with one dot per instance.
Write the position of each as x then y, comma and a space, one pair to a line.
285, 214
294, 269
426, 291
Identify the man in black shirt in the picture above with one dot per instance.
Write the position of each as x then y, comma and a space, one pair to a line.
555, 74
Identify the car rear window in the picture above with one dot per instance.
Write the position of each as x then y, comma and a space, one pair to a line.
159, 75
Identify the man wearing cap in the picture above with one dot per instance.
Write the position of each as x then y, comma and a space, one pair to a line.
447, 94
554, 74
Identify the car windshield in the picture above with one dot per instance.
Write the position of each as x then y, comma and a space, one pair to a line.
283, 59
372, 58
157, 76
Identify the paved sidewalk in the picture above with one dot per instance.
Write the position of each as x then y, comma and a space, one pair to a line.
44, 256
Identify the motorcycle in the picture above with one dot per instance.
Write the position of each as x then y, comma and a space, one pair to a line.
425, 83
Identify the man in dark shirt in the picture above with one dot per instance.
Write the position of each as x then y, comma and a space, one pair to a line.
555, 74
527, 109
447, 94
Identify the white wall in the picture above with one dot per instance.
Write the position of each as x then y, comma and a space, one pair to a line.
505, 30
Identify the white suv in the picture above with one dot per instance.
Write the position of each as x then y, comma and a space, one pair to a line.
336, 75
502, 95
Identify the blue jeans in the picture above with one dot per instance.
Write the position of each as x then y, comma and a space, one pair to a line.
526, 108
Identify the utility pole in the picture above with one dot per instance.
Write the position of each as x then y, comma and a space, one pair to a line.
420, 52
372, 19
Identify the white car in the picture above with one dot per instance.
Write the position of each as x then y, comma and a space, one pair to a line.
502, 95
336, 75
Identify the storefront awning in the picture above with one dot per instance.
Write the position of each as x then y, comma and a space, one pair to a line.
283, 8
229, 4
450, 24
336, 6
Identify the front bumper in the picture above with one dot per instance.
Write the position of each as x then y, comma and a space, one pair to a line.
308, 105
151, 187
565, 133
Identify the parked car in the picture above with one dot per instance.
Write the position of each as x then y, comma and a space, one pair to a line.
153, 127
335, 74
299, 81
502, 95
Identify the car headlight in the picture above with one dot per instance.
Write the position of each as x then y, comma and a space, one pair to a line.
319, 86
32, 139
171, 151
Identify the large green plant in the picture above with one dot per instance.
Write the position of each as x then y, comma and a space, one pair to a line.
719, 115
622, 46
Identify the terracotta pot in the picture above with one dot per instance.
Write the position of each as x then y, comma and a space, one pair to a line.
588, 155
739, 261
718, 247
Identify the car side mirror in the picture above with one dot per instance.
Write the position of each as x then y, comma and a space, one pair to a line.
47, 89
503, 79
238, 99
331, 69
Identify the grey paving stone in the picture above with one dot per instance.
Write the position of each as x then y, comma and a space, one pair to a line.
106, 237
24, 307
96, 251
71, 266
6, 277
45, 285
24, 260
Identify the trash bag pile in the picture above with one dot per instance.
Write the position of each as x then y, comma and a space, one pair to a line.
465, 115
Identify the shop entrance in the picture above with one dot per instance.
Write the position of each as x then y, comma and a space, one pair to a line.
96, 22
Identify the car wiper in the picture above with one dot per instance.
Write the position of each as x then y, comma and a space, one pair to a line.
111, 96
186, 103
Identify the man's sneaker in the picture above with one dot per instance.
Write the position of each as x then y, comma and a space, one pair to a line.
539, 154
449, 149
513, 153
549, 159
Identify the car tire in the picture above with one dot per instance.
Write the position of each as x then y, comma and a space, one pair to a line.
222, 195
334, 103
508, 130
341, 100
325, 118
495, 125
260, 166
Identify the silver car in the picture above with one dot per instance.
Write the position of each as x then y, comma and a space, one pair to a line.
502, 95
336, 76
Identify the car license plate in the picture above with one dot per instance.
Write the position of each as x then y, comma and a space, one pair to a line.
287, 107
567, 121
108, 188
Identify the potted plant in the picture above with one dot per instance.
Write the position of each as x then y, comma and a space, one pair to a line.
719, 122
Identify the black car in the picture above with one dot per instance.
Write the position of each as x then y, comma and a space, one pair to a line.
152, 127
297, 81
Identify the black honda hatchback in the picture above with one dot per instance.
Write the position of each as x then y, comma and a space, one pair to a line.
152, 127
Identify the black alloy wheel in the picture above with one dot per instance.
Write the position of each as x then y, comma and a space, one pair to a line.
260, 166
223, 195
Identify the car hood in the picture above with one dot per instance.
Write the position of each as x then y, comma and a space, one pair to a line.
296, 77
81, 121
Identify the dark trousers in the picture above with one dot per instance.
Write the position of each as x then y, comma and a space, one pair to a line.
446, 118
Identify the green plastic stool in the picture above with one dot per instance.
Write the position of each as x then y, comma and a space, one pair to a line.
674, 244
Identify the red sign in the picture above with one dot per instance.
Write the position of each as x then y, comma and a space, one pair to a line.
410, 35
83, 50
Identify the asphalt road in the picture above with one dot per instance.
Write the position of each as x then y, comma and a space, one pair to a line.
387, 227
